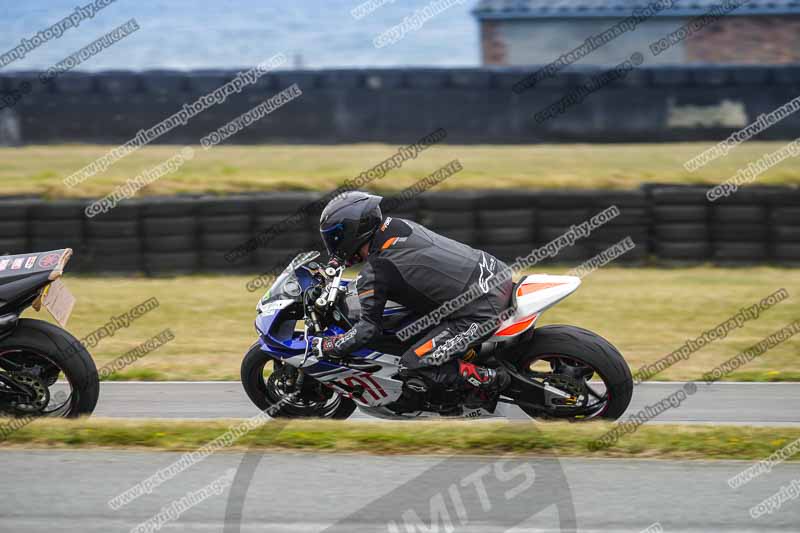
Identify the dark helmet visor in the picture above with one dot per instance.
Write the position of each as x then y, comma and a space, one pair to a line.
333, 237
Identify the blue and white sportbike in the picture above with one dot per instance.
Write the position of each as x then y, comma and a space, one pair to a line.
557, 371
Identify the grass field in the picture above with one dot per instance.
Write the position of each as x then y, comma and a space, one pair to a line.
647, 313
226, 169
429, 438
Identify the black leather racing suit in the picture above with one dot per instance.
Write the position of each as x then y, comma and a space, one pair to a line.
420, 269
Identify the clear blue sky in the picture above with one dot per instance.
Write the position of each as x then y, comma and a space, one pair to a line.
187, 34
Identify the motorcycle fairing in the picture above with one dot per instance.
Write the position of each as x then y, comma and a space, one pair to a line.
533, 295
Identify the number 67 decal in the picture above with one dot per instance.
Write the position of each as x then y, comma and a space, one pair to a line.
360, 382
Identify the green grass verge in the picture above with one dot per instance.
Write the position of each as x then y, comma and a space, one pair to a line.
228, 169
645, 312
441, 438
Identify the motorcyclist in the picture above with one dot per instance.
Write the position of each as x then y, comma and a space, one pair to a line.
413, 266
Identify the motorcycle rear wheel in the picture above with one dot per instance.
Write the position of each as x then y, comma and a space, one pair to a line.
43, 357
575, 355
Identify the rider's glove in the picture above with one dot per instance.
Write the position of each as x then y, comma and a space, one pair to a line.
322, 347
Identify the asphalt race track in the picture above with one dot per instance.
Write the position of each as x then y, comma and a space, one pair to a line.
68, 491
721, 403
57, 490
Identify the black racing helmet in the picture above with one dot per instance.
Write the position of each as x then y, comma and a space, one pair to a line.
348, 221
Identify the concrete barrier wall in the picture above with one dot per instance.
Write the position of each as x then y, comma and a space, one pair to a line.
667, 224
396, 106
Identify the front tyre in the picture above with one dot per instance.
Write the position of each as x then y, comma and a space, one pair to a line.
273, 393
46, 372
581, 363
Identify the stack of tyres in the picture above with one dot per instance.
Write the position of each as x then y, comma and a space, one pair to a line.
164, 92
169, 235
471, 89
416, 105
785, 228
342, 89
55, 225
203, 82
633, 221
314, 123
557, 213
739, 228
505, 222
117, 92
224, 223
114, 241
680, 224
14, 226
381, 88
398, 207
286, 224
78, 111
451, 214
37, 112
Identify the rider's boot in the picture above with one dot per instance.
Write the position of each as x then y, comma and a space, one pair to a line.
482, 378
484, 383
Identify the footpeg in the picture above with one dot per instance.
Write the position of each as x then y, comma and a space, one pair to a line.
416, 385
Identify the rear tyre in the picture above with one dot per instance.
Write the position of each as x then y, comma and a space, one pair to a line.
576, 355
269, 396
38, 354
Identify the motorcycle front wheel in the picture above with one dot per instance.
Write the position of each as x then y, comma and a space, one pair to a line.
268, 383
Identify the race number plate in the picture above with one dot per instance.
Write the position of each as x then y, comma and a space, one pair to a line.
59, 301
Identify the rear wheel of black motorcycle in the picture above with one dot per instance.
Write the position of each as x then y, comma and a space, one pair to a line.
54, 366
264, 392
582, 353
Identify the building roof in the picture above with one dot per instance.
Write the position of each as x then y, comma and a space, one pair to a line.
534, 9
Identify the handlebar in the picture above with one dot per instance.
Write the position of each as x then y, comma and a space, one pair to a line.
333, 279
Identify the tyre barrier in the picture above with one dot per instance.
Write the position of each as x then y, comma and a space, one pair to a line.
186, 234
450, 214
680, 225
477, 105
784, 225
113, 241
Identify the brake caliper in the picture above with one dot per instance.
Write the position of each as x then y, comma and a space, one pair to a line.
568, 385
